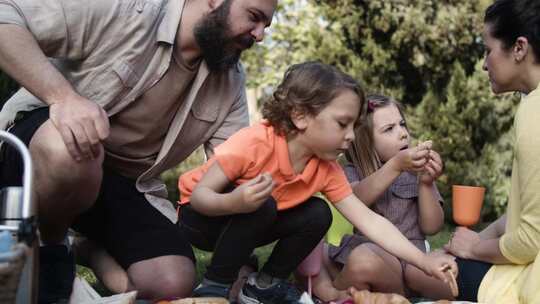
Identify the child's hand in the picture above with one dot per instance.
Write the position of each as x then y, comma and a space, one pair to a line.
432, 169
436, 263
414, 159
254, 193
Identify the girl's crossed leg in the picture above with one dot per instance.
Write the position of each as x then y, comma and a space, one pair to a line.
368, 267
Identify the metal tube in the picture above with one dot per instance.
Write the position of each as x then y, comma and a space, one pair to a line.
27, 210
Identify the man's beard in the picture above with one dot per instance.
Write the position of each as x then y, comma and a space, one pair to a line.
218, 48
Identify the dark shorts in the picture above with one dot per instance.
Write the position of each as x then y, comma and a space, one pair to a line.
121, 220
471, 273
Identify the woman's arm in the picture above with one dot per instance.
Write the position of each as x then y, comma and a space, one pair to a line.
468, 244
495, 230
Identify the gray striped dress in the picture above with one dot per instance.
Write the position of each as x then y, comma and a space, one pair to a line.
399, 204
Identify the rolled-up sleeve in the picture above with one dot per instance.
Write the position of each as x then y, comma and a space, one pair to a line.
521, 243
44, 19
10, 13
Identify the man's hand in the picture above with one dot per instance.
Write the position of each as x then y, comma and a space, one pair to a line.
82, 124
254, 193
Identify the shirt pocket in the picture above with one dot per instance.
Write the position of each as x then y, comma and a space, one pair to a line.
111, 85
405, 191
206, 109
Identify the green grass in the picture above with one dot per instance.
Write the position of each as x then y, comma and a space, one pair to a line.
203, 258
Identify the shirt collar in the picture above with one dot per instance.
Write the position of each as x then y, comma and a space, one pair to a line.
170, 22
285, 166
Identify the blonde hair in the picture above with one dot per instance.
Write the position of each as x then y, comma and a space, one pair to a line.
362, 152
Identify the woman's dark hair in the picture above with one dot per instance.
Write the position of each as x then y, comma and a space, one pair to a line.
510, 19
306, 88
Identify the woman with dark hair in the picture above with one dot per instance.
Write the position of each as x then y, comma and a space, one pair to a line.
501, 264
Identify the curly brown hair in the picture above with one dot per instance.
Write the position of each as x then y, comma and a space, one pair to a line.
306, 88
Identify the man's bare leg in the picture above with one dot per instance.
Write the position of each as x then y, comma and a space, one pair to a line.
63, 187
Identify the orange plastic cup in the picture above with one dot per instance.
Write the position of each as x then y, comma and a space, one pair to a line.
467, 204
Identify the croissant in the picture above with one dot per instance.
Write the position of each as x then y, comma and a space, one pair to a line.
366, 297
199, 301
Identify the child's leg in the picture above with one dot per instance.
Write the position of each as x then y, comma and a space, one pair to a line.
425, 285
371, 267
231, 238
106, 269
323, 286
299, 230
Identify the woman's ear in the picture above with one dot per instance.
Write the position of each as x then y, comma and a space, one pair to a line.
520, 49
299, 120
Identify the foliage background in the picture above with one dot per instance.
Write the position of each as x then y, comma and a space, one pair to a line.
425, 53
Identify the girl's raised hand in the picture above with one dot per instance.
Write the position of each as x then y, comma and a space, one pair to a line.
432, 169
254, 193
414, 159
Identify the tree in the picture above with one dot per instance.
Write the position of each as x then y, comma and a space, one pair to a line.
425, 53
471, 128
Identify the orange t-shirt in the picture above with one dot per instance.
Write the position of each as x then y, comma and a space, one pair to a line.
257, 149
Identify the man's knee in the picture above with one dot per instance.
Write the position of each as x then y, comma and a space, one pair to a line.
54, 163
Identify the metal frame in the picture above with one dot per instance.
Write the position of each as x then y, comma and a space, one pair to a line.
26, 230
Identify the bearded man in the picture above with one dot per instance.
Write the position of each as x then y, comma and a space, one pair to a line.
114, 93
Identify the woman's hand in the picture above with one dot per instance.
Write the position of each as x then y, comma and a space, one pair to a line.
462, 243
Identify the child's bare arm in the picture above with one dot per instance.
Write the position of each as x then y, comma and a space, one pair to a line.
383, 233
208, 199
430, 212
370, 188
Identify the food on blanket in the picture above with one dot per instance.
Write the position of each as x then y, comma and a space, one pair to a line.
208, 300
451, 280
367, 297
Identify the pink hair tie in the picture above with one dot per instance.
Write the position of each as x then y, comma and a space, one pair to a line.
371, 106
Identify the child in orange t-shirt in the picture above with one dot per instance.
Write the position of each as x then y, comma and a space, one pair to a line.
258, 188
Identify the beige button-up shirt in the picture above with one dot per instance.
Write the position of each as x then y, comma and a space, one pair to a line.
112, 51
